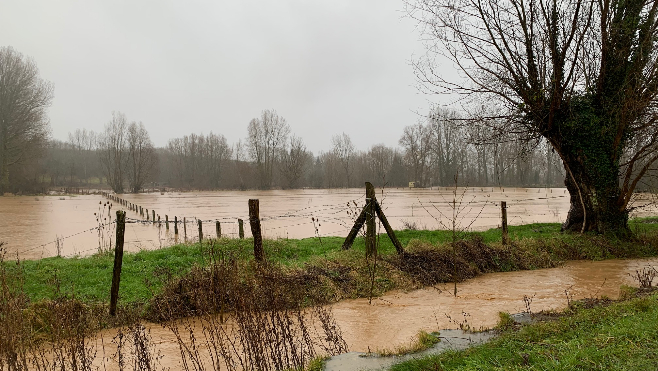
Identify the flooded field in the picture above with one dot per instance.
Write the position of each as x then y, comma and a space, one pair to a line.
394, 318
39, 226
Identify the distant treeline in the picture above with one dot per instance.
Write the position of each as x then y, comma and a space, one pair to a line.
429, 154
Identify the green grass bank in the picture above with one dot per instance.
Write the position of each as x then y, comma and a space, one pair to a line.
330, 273
604, 336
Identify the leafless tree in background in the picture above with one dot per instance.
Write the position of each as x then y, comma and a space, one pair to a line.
380, 160
240, 163
344, 150
415, 141
267, 135
141, 156
218, 153
24, 99
198, 161
83, 142
446, 140
112, 149
294, 160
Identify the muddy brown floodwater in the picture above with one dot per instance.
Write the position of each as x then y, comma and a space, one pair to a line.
31, 225
393, 319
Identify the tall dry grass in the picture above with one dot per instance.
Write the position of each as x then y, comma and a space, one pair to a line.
255, 322
248, 322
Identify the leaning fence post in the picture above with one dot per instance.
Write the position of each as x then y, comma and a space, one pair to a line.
240, 228
218, 229
503, 210
118, 259
371, 231
184, 228
254, 221
200, 231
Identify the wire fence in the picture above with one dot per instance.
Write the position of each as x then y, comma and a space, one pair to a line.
147, 229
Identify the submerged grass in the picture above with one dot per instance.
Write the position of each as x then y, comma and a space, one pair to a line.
422, 341
613, 336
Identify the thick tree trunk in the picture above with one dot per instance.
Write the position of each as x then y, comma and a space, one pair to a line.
581, 210
598, 209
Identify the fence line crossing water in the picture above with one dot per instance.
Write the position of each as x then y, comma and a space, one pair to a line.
28, 224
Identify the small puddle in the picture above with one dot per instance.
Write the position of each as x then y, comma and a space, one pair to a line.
450, 340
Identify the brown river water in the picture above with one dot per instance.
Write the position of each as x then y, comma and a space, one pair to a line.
31, 225
393, 319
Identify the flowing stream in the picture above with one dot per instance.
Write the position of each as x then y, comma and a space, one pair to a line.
393, 319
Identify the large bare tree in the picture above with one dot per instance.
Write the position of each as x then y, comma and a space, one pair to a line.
24, 99
415, 141
582, 74
294, 161
141, 156
344, 151
112, 149
267, 135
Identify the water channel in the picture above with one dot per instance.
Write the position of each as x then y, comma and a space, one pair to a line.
393, 319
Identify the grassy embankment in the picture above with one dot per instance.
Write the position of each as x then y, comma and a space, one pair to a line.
606, 336
328, 272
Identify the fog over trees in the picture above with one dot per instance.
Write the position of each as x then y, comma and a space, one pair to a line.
481, 147
430, 153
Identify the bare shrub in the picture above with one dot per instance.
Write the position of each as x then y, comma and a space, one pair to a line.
645, 276
409, 225
257, 321
135, 348
50, 335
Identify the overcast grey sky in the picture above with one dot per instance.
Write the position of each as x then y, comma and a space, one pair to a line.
198, 66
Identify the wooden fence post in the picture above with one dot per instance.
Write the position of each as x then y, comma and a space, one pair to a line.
254, 221
175, 225
367, 216
240, 228
167, 221
147, 215
218, 229
389, 229
371, 228
118, 259
503, 210
153, 215
184, 228
200, 231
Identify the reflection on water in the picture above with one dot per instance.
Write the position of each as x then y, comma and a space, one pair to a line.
30, 225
